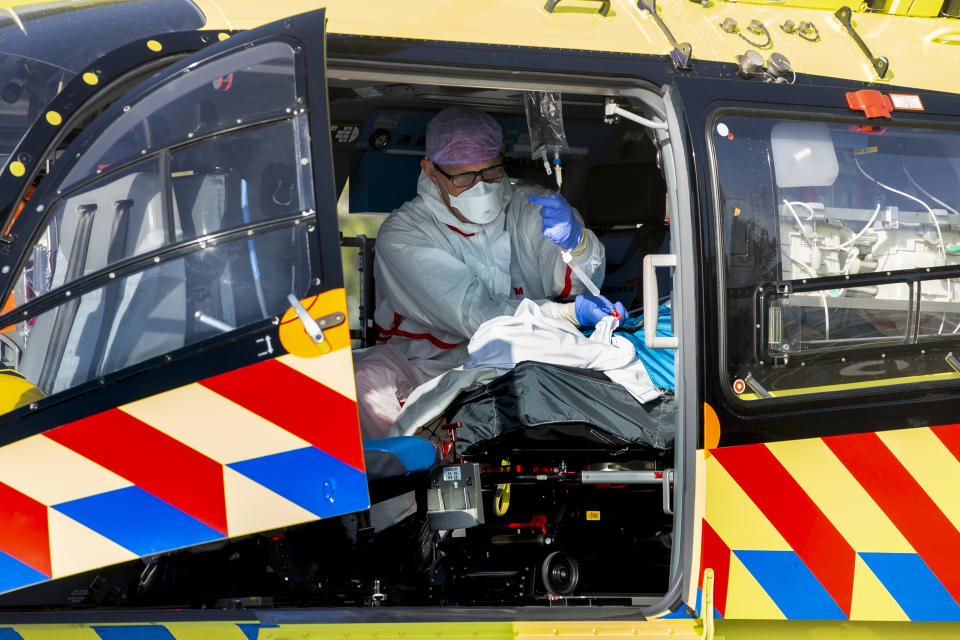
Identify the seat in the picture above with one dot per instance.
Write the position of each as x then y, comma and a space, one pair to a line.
618, 198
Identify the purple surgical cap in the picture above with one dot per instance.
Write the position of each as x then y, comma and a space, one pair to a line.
461, 135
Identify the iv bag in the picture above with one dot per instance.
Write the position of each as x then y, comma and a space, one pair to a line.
545, 123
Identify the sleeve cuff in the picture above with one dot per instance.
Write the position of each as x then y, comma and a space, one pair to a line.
559, 310
582, 246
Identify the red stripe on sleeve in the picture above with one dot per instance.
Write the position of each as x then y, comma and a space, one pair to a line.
567, 284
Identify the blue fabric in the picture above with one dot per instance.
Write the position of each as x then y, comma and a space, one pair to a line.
416, 454
659, 362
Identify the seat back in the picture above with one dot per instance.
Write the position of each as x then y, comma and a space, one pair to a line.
625, 204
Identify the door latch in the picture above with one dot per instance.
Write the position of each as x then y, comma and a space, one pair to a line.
315, 326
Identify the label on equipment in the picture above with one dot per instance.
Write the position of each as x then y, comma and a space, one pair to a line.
906, 101
451, 474
593, 515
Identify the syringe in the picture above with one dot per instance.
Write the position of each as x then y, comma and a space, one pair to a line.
577, 271
567, 258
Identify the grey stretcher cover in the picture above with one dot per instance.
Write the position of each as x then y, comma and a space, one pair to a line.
552, 406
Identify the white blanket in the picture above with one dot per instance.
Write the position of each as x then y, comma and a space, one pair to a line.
499, 344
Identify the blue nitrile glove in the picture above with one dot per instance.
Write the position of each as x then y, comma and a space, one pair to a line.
559, 223
592, 309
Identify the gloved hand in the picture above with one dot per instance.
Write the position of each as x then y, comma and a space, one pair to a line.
559, 223
592, 309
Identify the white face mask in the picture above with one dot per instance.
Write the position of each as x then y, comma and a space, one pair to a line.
480, 203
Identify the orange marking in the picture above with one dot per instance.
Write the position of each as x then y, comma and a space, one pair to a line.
711, 430
294, 337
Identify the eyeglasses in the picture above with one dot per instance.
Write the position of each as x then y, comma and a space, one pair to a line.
469, 178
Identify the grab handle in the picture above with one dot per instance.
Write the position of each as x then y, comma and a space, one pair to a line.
604, 9
651, 300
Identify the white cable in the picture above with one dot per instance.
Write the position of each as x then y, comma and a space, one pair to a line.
927, 193
797, 218
941, 248
862, 231
823, 299
852, 253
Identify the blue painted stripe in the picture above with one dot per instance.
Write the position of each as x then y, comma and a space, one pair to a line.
791, 585
138, 521
680, 613
15, 574
252, 629
315, 480
6, 633
134, 632
913, 585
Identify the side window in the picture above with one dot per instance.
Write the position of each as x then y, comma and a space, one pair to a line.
841, 254
198, 233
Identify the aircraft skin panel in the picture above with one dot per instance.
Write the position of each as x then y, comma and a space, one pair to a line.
869, 535
257, 448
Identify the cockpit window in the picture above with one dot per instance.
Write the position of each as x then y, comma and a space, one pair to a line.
44, 45
841, 254
207, 230
235, 90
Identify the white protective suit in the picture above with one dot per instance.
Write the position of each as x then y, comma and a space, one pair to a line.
438, 279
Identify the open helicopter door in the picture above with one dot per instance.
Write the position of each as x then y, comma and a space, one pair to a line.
179, 367
831, 221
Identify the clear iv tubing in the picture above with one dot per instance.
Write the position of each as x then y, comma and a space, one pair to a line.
567, 257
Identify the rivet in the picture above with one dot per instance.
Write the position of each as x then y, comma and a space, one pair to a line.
91, 78
6, 269
126, 108
190, 135
67, 294
112, 275
156, 258
155, 46
304, 161
54, 118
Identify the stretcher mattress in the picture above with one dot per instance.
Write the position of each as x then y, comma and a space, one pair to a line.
538, 406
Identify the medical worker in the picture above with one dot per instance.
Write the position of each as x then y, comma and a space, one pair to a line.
469, 247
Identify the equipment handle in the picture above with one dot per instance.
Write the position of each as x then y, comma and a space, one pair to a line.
604, 9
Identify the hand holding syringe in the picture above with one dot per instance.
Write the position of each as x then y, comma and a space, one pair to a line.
561, 225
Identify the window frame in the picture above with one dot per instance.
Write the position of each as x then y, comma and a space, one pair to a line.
852, 391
